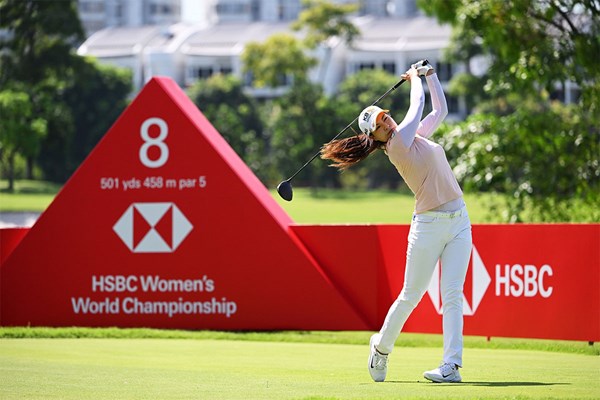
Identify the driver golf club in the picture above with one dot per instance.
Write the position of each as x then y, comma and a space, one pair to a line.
285, 187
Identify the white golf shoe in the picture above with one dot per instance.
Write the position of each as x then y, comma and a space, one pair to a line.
444, 373
377, 362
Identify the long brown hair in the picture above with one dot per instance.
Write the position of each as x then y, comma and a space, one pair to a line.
346, 152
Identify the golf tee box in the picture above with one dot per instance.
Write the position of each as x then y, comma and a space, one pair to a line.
164, 226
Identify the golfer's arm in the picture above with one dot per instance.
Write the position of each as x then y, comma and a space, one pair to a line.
439, 107
407, 129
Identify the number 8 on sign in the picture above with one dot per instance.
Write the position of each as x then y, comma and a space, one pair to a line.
157, 141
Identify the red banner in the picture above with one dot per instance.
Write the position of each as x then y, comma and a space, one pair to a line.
9, 239
164, 226
537, 281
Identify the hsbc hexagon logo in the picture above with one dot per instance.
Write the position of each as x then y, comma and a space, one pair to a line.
476, 284
152, 227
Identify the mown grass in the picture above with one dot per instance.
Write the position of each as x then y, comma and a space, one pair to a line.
324, 337
327, 206
309, 206
28, 195
233, 369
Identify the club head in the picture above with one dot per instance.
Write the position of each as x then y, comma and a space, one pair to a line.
285, 190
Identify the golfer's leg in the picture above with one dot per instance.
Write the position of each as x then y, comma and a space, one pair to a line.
424, 248
455, 261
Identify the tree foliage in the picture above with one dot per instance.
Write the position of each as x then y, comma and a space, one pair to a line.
323, 20
532, 44
236, 116
35, 51
283, 54
20, 131
279, 56
76, 98
301, 121
90, 101
543, 153
39, 41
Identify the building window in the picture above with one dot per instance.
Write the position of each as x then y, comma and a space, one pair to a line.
204, 72
289, 9
93, 26
444, 71
233, 8
248, 79
366, 65
453, 105
91, 7
566, 92
557, 94
255, 10
282, 79
389, 67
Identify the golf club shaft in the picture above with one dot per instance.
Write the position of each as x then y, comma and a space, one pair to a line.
383, 96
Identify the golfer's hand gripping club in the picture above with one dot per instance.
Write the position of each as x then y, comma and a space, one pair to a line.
285, 187
422, 67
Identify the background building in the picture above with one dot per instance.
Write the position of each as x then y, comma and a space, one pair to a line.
189, 40
99, 14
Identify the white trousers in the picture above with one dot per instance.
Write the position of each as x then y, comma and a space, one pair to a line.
433, 236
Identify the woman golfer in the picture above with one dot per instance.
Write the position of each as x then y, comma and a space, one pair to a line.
440, 227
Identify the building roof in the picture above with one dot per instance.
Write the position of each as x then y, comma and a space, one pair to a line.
401, 34
120, 41
229, 38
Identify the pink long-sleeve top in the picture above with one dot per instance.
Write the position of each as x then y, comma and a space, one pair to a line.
421, 162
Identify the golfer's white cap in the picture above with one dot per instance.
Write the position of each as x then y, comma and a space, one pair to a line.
367, 120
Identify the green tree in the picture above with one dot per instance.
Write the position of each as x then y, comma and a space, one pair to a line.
322, 20
39, 41
20, 130
77, 98
531, 44
300, 122
96, 97
550, 172
542, 153
90, 101
236, 116
36, 52
279, 56
465, 46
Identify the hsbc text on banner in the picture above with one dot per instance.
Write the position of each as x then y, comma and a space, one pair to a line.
535, 281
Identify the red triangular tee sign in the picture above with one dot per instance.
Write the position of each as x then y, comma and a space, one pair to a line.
163, 225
